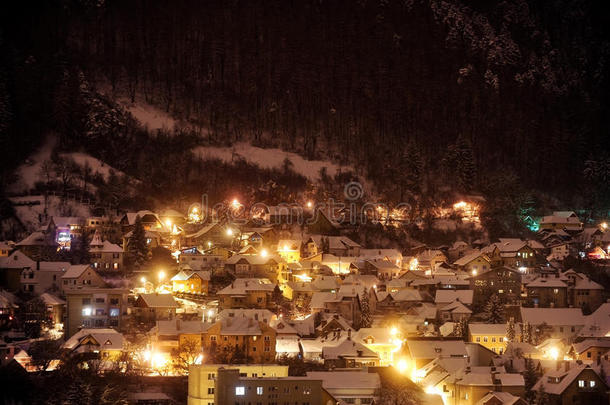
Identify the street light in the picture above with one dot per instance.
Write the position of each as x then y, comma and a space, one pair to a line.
264, 253
143, 280
161, 275
230, 232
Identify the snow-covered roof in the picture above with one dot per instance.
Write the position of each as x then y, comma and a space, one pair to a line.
430, 349
50, 299
205, 229
407, 295
550, 282
348, 348
598, 323
553, 316
108, 339
263, 315
66, 222
555, 382
241, 286
505, 398
176, 327
487, 328
456, 307
156, 300
184, 275
254, 259
325, 283
463, 261
447, 296
588, 343
239, 326
76, 270
338, 380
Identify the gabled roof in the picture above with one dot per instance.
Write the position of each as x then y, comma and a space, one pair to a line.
349, 380
205, 229
553, 316
430, 349
184, 275
505, 398
240, 326
598, 323
66, 222
106, 338
241, 286
156, 300
555, 382
550, 282
407, 295
588, 343
76, 270
463, 261
263, 315
348, 349
446, 296
487, 328
16, 260
176, 327
50, 299
456, 307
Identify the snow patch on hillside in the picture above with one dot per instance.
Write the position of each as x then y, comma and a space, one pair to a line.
270, 158
29, 172
96, 165
148, 115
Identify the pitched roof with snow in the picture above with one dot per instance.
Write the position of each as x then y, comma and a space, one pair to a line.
348, 349
337, 380
487, 328
555, 382
430, 349
76, 270
156, 300
108, 339
241, 286
447, 296
553, 316
463, 261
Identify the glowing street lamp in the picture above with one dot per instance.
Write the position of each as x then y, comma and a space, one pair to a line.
229, 232
309, 204
604, 225
235, 203
161, 275
143, 280
168, 222
264, 253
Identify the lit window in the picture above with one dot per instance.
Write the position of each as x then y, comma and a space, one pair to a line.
478, 339
87, 311
581, 383
259, 390
240, 390
484, 338
556, 290
591, 384
114, 312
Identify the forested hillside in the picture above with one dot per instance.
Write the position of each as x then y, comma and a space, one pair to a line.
416, 93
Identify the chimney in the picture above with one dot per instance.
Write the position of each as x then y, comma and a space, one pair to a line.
349, 334
37, 264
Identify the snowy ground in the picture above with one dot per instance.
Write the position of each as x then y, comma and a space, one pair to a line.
29, 172
148, 115
270, 158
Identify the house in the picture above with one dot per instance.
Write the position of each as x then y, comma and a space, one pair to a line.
471, 384
150, 221
88, 307
289, 250
503, 281
106, 342
334, 245
445, 297
5, 249
155, 306
247, 293
511, 252
168, 335
44, 276
383, 341
189, 281
563, 220
349, 354
500, 398
230, 388
489, 335
55, 307
591, 350
202, 378
345, 302
39, 245
212, 259
548, 292
382, 269
473, 263
350, 387
572, 384
598, 323
104, 254
212, 234
585, 293
66, 229
559, 323
257, 266
454, 311
256, 339
81, 275
429, 259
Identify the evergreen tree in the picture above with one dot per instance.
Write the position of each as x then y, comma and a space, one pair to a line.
366, 318
494, 310
542, 398
466, 165
138, 248
510, 330
526, 332
79, 249
460, 329
530, 377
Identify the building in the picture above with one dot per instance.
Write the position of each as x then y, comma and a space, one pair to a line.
246, 293
94, 308
155, 306
43, 277
104, 254
591, 350
253, 266
202, 378
189, 281
489, 335
511, 252
349, 354
230, 388
561, 220
548, 292
558, 323
81, 275
503, 281
571, 384
256, 339
473, 263
108, 343
11, 269
55, 307
289, 250
351, 387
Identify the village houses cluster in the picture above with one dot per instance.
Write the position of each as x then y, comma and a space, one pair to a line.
475, 322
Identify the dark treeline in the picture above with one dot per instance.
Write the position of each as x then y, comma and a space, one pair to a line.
524, 84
